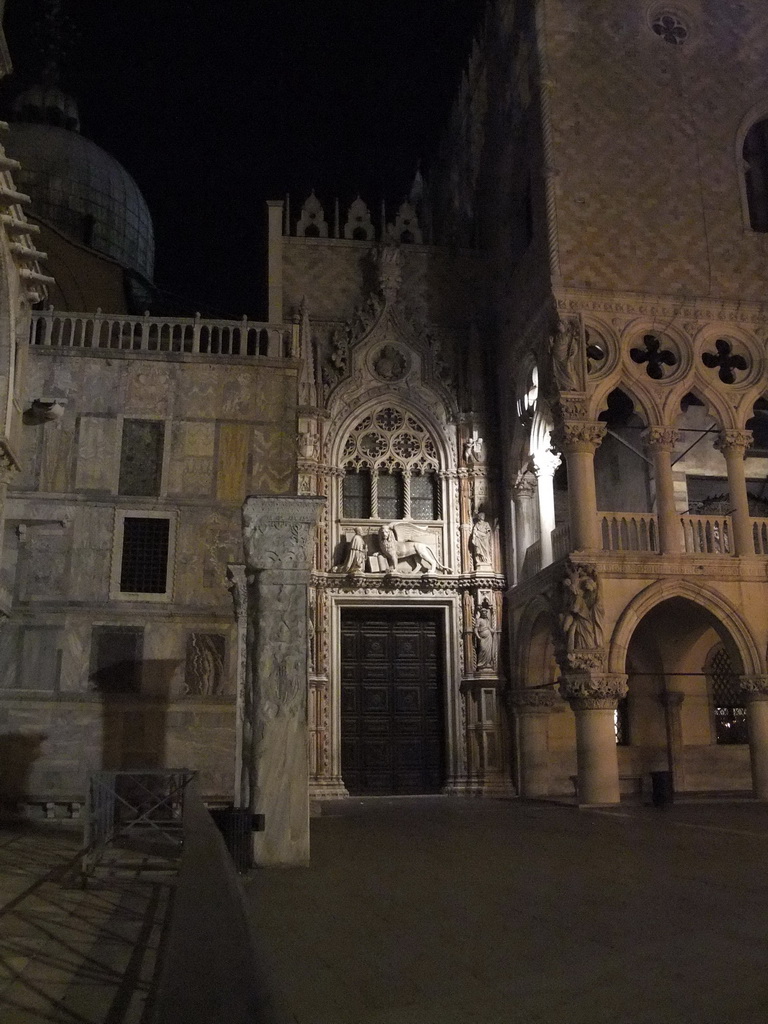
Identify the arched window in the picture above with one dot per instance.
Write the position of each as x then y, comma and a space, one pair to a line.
390, 469
727, 699
756, 172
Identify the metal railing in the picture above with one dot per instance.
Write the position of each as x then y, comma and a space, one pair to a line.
123, 805
629, 531
193, 335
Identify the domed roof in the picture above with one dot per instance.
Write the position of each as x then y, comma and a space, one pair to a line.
84, 192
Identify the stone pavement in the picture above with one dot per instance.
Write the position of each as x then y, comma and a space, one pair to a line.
68, 954
447, 911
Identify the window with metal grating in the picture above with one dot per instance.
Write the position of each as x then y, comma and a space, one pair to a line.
144, 565
727, 699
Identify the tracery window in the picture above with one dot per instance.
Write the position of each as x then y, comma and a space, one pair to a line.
727, 699
390, 463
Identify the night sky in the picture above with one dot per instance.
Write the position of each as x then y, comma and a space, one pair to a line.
215, 106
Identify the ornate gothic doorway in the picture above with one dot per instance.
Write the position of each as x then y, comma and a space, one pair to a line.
391, 701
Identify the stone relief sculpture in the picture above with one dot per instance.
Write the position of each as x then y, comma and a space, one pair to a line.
354, 563
474, 450
566, 355
485, 638
404, 542
582, 616
480, 542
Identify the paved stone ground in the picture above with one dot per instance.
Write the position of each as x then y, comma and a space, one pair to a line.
69, 955
445, 911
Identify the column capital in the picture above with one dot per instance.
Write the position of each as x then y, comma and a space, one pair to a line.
533, 700
754, 687
661, 439
593, 691
736, 441
580, 435
545, 463
525, 488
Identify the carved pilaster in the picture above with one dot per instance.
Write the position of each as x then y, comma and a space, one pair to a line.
593, 690
238, 588
533, 701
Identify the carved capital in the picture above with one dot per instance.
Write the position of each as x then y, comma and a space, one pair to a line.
661, 439
593, 691
736, 441
527, 701
573, 407
279, 533
545, 463
754, 687
580, 435
525, 488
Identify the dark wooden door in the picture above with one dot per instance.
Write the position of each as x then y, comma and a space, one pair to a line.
391, 707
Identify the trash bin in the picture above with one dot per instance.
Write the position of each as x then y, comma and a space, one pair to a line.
235, 825
662, 789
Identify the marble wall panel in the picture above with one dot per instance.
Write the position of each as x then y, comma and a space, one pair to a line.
39, 662
75, 643
199, 391
59, 447
232, 462
150, 389
98, 454
102, 386
241, 395
275, 396
191, 462
163, 661
10, 649
274, 468
91, 553
43, 568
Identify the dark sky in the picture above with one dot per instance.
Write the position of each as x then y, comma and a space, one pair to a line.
215, 106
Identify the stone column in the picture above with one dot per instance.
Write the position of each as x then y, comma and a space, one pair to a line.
532, 708
524, 492
733, 444
672, 701
544, 466
594, 698
755, 689
279, 547
660, 442
579, 441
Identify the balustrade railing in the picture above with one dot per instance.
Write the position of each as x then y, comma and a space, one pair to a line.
629, 531
561, 542
531, 562
707, 535
194, 335
760, 536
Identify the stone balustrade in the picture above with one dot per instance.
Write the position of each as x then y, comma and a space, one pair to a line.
171, 335
707, 535
629, 531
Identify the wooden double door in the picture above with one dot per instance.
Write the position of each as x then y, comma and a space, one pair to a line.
392, 734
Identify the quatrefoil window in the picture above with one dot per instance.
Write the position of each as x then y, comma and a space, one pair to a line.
670, 28
390, 441
655, 358
725, 361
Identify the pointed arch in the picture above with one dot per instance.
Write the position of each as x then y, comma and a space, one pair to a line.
698, 593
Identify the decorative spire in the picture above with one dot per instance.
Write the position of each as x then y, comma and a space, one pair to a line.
45, 102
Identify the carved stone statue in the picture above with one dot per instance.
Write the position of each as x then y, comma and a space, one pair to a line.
480, 541
404, 542
567, 355
354, 563
474, 450
582, 615
485, 639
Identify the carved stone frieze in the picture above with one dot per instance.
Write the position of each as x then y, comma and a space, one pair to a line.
593, 690
662, 309
573, 407
372, 584
582, 611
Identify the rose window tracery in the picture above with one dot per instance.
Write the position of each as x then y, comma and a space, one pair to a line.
390, 440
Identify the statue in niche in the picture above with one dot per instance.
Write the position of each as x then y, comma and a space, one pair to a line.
404, 542
566, 355
474, 450
583, 612
354, 564
480, 541
485, 638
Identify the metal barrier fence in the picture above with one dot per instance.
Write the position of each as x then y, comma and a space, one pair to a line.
123, 805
